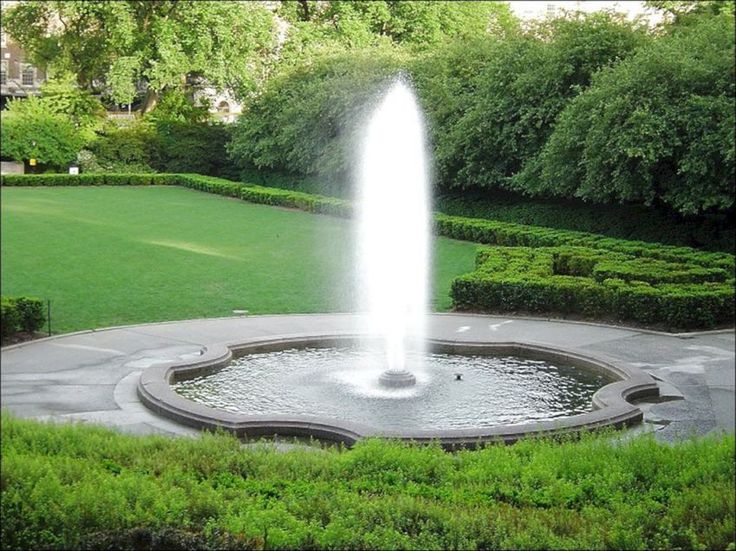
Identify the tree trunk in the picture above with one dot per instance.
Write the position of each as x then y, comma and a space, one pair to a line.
150, 101
305, 10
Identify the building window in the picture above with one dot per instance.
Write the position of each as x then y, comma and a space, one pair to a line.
551, 9
3, 73
28, 75
223, 107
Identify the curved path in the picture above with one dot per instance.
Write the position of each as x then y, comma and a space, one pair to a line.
92, 376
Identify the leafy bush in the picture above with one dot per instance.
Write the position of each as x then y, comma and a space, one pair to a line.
192, 147
75, 486
656, 128
21, 314
307, 119
32, 130
123, 147
597, 283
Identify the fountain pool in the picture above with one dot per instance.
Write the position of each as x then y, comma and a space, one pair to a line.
386, 378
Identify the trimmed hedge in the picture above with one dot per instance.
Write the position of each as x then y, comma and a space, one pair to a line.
492, 232
589, 282
268, 196
89, 179
20, 314
567, 271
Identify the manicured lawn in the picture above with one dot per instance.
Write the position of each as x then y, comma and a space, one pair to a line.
111, 256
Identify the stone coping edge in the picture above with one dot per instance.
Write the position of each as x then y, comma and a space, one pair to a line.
686, 335
611, 402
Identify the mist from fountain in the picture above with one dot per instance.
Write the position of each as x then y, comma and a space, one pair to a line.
394, 234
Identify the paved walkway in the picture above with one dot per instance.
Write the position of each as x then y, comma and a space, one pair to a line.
92, 376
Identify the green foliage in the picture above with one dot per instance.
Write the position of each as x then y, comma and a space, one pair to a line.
159, 43
597, 283
176, 106
657, 128
334, 26
93, 179
507, 234
307, 119
127, 147
635, 222
32, 130
78, 486
64, 97
515, 90
192, 147
21, 314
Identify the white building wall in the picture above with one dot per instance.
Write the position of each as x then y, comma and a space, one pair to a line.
527, 10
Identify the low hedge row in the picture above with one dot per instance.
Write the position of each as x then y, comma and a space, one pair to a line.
492, 232
20, 314
93, 179
268, 196
574, 280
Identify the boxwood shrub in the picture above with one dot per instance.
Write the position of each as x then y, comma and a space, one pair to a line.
21, 314
590, 282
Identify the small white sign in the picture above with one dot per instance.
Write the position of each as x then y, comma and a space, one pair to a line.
73, 170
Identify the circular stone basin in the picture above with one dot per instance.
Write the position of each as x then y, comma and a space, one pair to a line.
324, 387
343, 383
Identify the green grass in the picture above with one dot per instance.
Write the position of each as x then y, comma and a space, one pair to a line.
66, 487
112, 256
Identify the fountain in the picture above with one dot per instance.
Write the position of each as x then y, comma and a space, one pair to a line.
394, 232
385, 377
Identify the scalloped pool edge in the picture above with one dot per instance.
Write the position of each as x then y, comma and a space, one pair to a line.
611, 406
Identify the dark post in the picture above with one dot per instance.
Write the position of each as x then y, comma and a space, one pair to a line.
48, 313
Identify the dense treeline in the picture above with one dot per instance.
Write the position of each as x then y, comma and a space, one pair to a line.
584, 106
587, 107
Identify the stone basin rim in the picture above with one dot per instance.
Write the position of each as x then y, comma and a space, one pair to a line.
611, 406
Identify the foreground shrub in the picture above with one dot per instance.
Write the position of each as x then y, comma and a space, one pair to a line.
82, 486
21, 314
597, 283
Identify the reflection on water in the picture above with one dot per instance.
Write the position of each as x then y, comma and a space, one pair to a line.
334, 383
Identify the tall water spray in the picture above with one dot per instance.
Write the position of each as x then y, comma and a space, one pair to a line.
394, 231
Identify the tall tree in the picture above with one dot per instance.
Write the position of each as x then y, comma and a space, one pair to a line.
319, 25
119, 47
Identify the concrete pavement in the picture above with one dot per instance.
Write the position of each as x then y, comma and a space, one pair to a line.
92, 376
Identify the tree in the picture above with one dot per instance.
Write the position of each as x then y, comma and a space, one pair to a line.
658, 128
337, 24
62, 96
307, 119
508, 100
114, 46
32, 130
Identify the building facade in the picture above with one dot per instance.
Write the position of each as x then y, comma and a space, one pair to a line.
19, 78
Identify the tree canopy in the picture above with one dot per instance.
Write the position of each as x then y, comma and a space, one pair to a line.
120, 47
